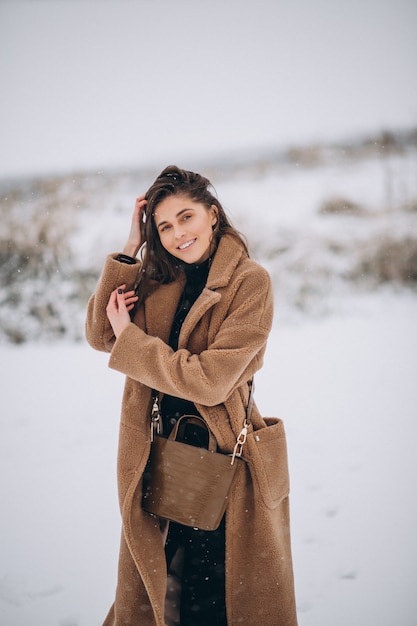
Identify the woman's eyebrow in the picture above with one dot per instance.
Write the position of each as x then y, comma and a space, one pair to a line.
177, 215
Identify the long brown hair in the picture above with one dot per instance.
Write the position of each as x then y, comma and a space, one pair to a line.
158, 266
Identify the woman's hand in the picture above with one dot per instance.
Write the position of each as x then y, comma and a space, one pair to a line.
118, 307
136, 235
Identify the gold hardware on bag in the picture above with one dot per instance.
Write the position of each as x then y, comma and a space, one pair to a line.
155, 418
240, 441
187, 484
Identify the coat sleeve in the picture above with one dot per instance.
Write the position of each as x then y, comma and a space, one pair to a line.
207, 378
98, 330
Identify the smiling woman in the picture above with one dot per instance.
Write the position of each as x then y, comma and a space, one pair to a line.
186, 228
188, 324
178, 222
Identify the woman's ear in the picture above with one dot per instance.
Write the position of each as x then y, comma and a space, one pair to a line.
214, 215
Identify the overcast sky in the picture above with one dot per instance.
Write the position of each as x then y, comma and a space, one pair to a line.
92, 84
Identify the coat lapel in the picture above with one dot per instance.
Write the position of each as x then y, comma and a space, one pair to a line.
203, 303
160, 309
226, 259
161, 305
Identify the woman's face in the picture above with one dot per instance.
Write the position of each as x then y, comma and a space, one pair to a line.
185, 228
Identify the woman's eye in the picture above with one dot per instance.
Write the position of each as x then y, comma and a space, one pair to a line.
186, 217
164, 228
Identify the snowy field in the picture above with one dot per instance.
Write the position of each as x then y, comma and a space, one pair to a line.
341, 370
328, 223
335, 224
346, 388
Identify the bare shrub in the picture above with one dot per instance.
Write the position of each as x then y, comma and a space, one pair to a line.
35, 268
389, 260
305, 155
411, 206
340, 206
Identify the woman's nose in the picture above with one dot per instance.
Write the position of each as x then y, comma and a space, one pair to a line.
179, 231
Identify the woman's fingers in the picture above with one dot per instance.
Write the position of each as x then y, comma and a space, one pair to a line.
129, 296
121, 300
137, 228
140, 215
140, 200
140, 206
125, 298
118, 307
130, 299
112, 307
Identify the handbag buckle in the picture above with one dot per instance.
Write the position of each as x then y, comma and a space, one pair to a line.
155, 418
240, 441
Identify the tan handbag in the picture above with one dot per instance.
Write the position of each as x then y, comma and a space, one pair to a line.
188, 484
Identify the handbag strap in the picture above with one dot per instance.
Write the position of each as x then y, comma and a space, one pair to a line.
155, 415
251, 385
177, 433
241, 439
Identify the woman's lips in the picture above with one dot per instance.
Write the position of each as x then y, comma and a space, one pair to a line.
186, 244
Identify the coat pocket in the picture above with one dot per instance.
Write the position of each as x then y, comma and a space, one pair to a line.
268, 461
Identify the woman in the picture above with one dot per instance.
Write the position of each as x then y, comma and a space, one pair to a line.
191, 319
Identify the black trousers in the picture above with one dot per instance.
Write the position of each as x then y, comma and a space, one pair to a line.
203, 601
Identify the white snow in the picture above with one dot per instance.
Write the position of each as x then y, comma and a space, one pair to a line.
346, 388
341, 370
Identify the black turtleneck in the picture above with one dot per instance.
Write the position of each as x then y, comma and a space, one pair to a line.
196, 277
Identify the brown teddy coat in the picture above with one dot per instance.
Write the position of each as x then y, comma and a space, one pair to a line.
221, 346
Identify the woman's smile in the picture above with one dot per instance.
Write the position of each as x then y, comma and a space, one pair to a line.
187, 244
185, 228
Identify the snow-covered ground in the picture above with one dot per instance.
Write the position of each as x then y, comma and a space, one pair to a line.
341, 370
346, 388
328, 223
